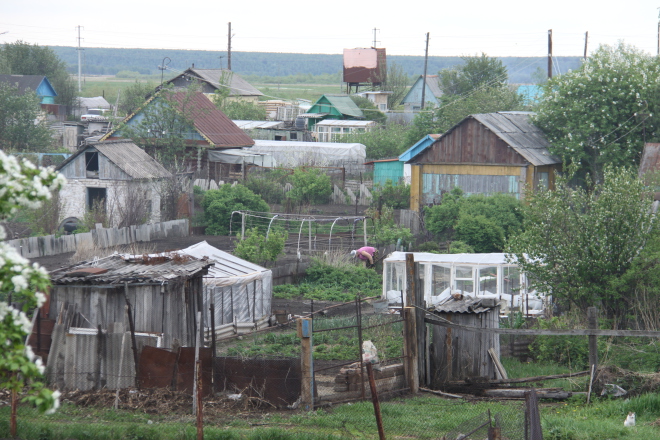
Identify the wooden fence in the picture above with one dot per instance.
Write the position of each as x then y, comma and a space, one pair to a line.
33, 247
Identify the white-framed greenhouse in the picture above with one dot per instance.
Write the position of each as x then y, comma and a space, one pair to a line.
474, 275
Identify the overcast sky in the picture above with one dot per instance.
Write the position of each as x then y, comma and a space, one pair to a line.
498, 28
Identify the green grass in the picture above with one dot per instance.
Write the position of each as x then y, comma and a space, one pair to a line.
311, 92
420, 417
517, 369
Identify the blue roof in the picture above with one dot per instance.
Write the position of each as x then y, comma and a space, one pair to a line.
420, 146
531, 93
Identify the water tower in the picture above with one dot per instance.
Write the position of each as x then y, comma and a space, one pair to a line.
365, 67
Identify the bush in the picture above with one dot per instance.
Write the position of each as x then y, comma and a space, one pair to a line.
482, 233
310, 186
259, 249
269, 186
387, 232
219, 203
572, 351
460, 247
396, 196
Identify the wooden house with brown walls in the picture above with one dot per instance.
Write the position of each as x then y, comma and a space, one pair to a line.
486, 153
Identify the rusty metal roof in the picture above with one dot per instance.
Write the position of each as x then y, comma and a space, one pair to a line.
516, 129
211, 123
465, 305
120, 269
130, 158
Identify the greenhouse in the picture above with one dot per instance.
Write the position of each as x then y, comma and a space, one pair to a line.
472, 275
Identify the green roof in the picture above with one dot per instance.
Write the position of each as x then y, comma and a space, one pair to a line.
342, 104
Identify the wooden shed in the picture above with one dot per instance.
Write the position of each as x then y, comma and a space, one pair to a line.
487, 153
458, 354
165, 293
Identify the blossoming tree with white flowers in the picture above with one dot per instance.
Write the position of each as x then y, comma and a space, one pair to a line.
600, 113
22, 185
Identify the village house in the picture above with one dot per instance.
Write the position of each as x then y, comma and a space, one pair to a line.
210, 130
412, 102
332, 106
212, 80
486, 153
117, 177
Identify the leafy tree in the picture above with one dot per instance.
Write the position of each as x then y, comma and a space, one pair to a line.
397, 82
219, 203
476, 72
24, 186
134, 96
310, 186
395, 196
259, 249
482, 222
165, 125
244, 110
477, 86
371, 112
599, 113
21, 58
18, 130
577, 243
383, 142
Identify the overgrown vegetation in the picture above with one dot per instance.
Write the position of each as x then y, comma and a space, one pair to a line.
394, 195
311, 186
219, 203
258, 248
386, 230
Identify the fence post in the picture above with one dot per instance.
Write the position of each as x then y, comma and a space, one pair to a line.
304, 329
592, 314
410, 334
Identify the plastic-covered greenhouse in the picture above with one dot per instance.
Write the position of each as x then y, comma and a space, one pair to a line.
240, 291
475, 275
292, 153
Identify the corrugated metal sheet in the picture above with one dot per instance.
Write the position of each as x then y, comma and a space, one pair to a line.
124, 154
238, 86
467, 305
123, 269
516, 130
650, 159
211, 123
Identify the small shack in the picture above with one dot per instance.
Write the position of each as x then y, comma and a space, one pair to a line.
95, 342
459, 354
240, 291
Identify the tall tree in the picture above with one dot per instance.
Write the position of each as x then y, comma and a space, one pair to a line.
475, 72
21, 129
601, 112
397, 82
21, 58
578, 243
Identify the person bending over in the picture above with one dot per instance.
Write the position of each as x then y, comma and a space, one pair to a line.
366, 254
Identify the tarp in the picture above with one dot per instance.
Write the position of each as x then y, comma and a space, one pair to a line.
240, 156
292, 154
241, 291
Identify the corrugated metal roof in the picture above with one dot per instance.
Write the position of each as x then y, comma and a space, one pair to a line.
125, 269
250, 125
344, 105
94, 102
130, 158
237, 85
650, 159
433, 84
211, 123
24, 82
225, 264
419, 146
465, 305
516, 129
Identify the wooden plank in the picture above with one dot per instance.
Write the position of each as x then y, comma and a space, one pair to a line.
540, 332
499, 368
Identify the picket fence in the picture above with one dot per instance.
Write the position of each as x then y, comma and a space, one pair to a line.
34, 247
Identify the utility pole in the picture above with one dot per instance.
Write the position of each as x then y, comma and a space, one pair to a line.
426, 59
229, 48
586, 40
549, 53
375, 42
659, 32
79, 61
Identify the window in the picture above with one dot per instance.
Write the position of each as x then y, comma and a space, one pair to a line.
543, 181
394, 281
382, 107
511, 280
293, 136
464, 279
441, 279
96, 198
92, 164
488, 280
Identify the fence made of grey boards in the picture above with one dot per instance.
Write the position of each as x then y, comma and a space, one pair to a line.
33, 247
363, 196
412, 220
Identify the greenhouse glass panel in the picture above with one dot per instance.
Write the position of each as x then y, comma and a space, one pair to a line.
488, 280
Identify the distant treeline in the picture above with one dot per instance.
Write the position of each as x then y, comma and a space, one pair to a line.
268, 67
